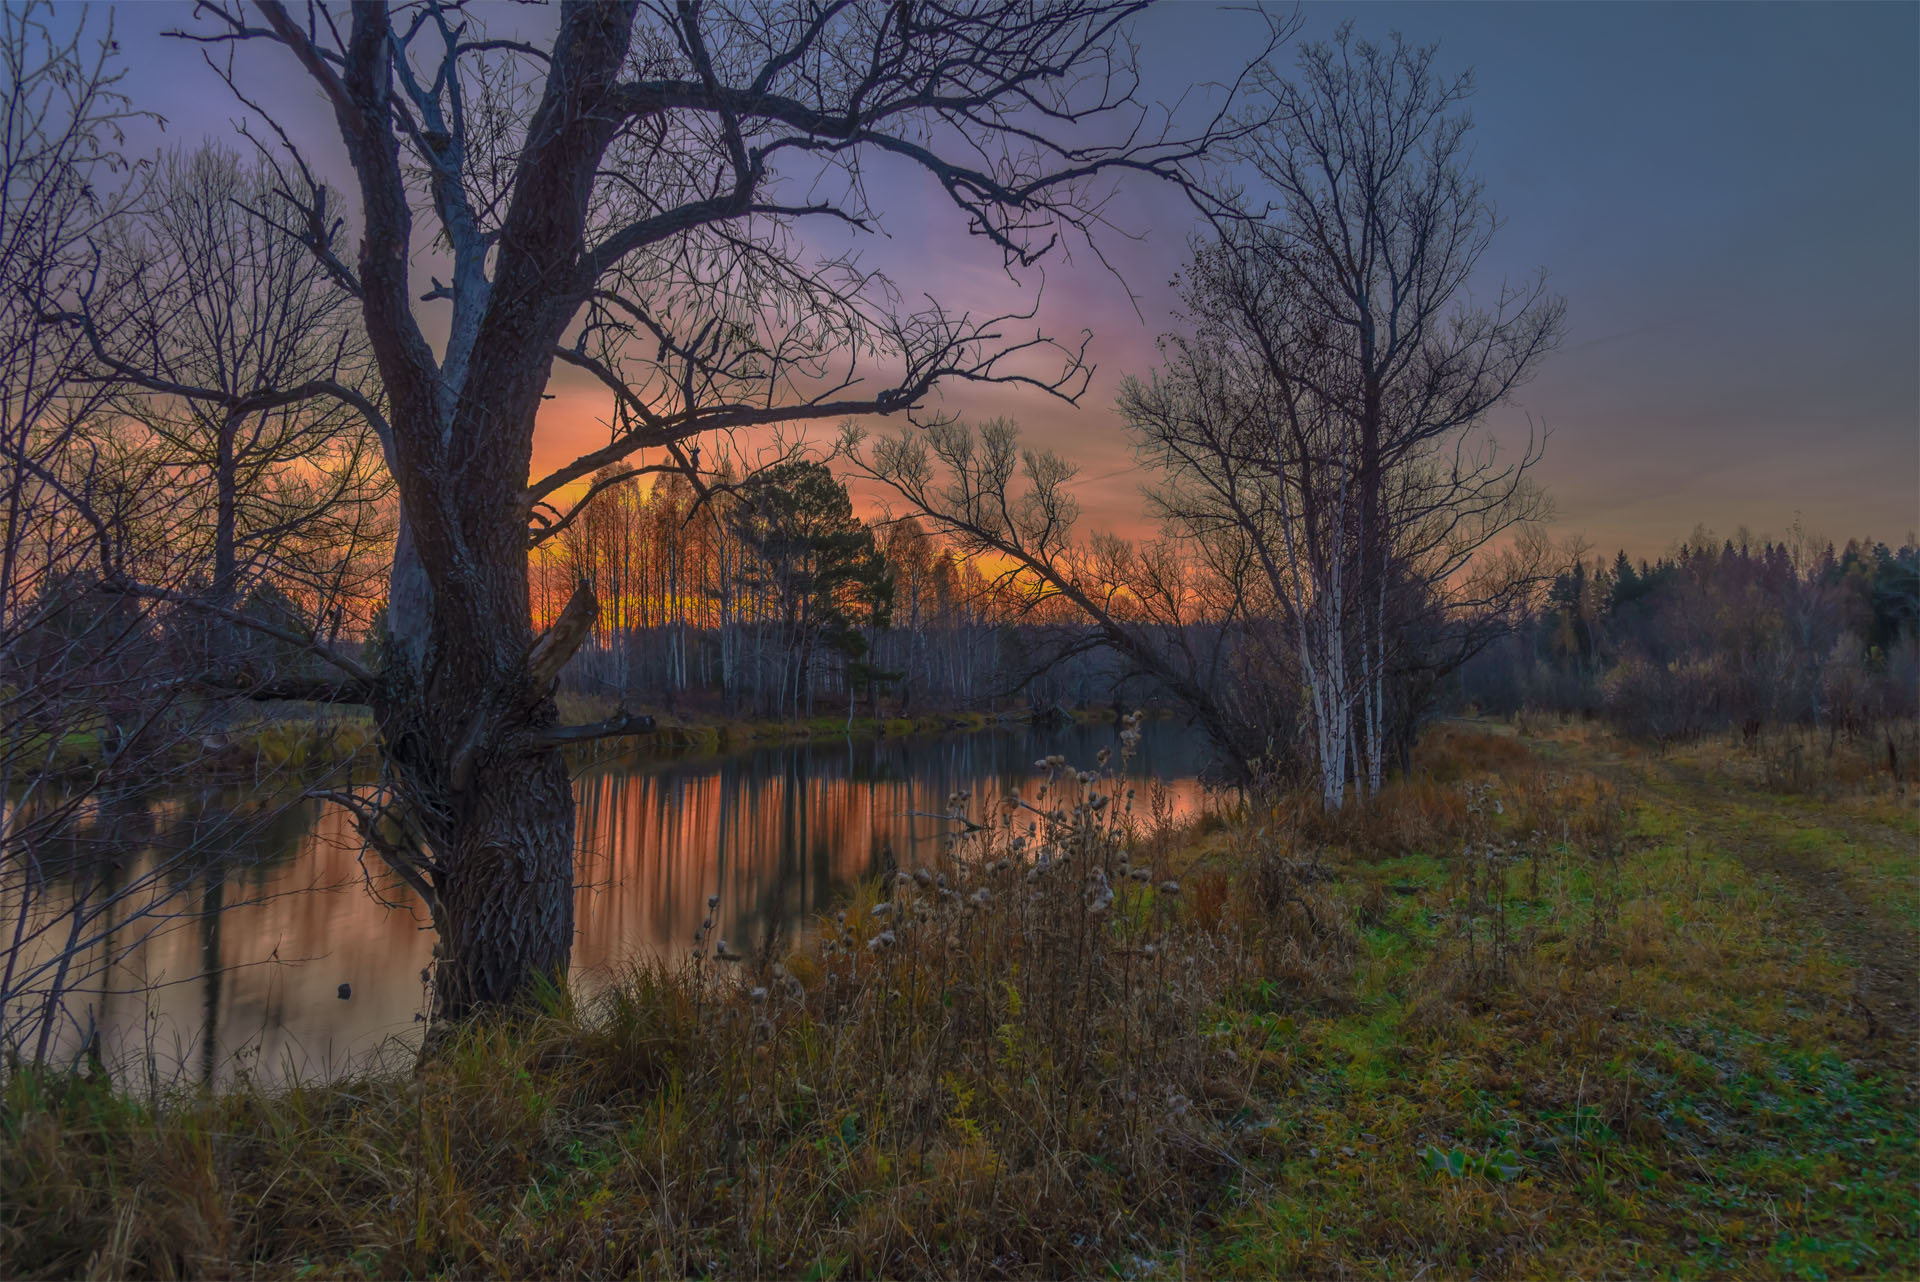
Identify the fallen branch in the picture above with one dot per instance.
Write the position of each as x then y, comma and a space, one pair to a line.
620, 723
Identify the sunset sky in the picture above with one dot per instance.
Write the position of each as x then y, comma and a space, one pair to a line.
1728, 196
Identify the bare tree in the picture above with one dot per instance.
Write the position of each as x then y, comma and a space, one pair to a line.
91, 716
1327, 409
1012, 507
61, 122
625, 199
202, 299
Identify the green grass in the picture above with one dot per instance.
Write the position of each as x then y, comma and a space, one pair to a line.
260, 743
1673, 1079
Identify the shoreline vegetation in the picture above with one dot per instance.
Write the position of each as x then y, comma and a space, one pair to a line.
324, 738
675, 734
1552, 1006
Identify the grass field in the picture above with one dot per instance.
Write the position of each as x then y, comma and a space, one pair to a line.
1553, 1007
1695, 1056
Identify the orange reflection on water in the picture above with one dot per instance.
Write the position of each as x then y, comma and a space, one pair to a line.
245, 966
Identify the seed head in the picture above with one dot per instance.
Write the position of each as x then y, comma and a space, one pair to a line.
1100, 894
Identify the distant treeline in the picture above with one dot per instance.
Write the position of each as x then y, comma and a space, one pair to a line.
771, 598
1719, 636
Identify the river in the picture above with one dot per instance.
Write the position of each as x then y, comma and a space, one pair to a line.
246, 970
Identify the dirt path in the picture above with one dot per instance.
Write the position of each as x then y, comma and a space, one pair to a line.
1867, 931
1756, 826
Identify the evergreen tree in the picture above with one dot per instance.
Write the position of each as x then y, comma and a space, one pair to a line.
1626, 583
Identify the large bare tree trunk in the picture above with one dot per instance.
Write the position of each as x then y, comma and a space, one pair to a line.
463, 729
506, 905
498, 810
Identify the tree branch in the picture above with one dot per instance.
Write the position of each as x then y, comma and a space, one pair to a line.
292, 689
309, 644
558, 643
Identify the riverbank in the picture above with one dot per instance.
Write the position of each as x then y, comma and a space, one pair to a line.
305, 738
1554, 1007
674, 733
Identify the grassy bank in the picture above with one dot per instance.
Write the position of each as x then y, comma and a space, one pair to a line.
675, 734
692, 734
252, 745
1552, 1008
296, 739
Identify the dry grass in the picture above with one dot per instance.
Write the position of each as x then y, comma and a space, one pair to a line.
1521, 1017
1000, 1067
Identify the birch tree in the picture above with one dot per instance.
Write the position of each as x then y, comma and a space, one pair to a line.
994, 499
1328, 406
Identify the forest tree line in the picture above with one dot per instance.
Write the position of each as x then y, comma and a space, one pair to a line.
1719, 636
768, 596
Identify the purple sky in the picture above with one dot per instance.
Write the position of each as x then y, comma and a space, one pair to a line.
1728, 195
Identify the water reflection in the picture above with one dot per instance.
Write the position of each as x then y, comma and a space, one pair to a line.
245, 965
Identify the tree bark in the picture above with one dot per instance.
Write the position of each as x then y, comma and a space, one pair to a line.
506, 904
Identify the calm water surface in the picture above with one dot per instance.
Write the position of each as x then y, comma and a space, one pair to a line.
251, 974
